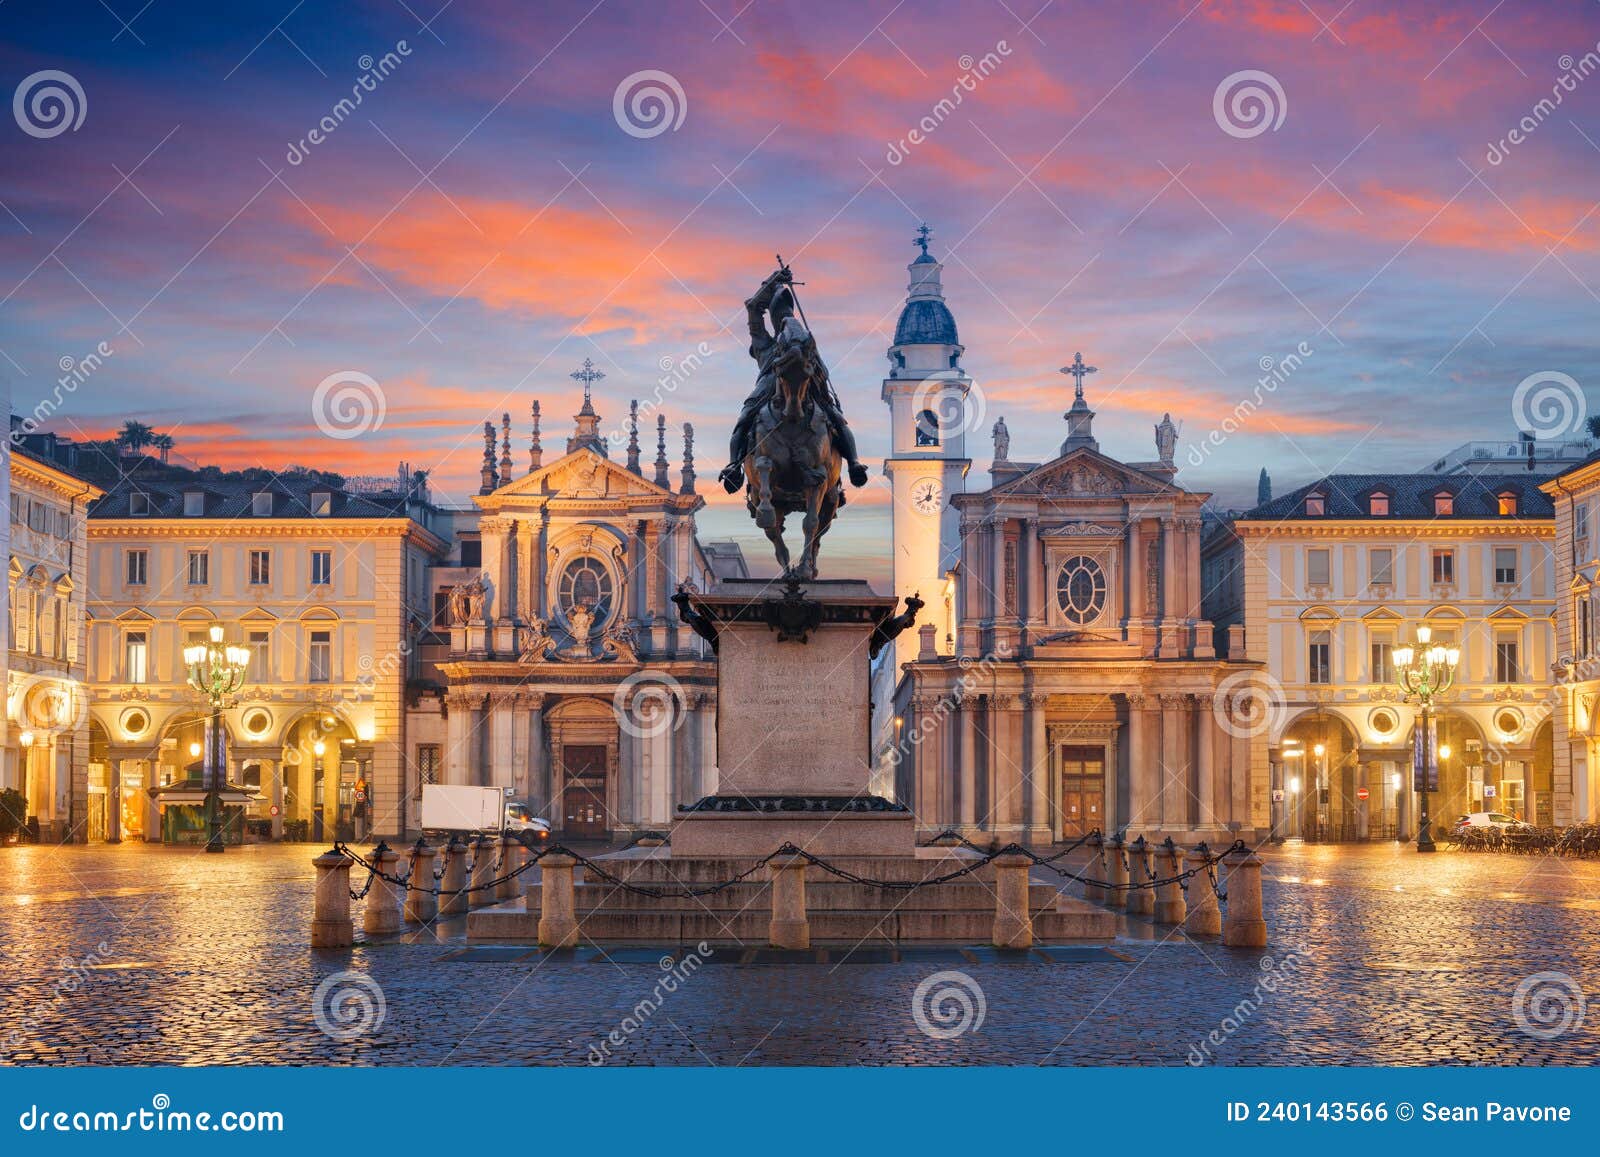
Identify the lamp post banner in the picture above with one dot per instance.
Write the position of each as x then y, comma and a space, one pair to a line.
284, 1110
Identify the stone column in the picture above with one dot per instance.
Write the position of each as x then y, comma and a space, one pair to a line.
491, 532
382, 915
1040, 828
558, 920
458, 734
1205, 917
639, 573
1174, 798
1205, 753
528, 554
1143, 789
538, 761
1013, 920
501, 713
274, 785
113, 800
712, 774
1364, 777
422, 904
1134, 570
1168, 607
539, 566
789, 927
1032, 574
996, 534
1244, 926
967, 713
331, 926
967, 608
1006, 758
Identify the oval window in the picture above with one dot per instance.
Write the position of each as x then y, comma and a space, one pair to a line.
1081, 589
587, 581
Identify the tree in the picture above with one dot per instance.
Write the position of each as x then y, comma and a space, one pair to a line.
135, 436
13, 812
163, 443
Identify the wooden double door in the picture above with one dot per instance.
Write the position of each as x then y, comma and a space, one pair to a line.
1083, 790
583, 796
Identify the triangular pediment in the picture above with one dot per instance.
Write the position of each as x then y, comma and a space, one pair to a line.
581, 474
1083, 471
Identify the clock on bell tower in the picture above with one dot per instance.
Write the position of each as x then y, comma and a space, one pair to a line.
927, 395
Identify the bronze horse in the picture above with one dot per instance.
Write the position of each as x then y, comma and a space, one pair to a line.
793, 465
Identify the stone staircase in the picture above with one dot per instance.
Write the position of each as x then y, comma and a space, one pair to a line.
958, 912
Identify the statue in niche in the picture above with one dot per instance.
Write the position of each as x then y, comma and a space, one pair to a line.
468, 600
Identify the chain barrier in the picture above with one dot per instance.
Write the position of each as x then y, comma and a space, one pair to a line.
374, 873
671, 893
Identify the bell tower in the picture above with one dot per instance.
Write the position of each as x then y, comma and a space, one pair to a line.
926, 392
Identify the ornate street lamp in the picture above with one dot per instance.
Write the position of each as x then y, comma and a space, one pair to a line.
1425, 672
216, 671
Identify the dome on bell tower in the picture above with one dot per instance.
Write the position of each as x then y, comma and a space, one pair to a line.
925, 338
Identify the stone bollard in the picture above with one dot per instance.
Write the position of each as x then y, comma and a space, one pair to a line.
513, 855
789, 927
384, 897
1116, 855
1013, 921
485, 858
558, 920
452, 899
1205, 917
1142, 869
331, 926
422, 903
1169, 897
1095, 870
1244, 927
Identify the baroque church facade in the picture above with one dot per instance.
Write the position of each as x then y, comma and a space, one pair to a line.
570, 678
1064, 677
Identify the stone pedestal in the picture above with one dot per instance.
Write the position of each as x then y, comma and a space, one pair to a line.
1013, 919
558, 921
382, 915
422, 903
793, 724
331, 926
789, 927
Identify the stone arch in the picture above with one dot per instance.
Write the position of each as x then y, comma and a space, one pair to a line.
585, 748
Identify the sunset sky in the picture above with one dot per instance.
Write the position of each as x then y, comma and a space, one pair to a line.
482, 222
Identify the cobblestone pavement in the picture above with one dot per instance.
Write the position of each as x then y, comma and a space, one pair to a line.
147, 955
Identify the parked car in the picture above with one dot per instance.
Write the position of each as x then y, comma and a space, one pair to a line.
1489, 820
522, 823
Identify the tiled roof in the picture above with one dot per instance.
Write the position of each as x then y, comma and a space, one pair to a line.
1410, 497
231, 496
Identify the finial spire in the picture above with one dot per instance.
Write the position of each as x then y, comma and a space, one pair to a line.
490, 481
661, 452
535, 451
633, 435
1080, 418
924, 231
688, 459
505, 446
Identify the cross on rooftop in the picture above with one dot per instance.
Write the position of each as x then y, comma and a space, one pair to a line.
924, 231
1078, 371
588, 376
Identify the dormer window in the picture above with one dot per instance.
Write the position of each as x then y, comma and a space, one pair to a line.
194, 503
1506, 502
1378, 504
1444, 504
321, 503
261, 503
927, 428
1316, 505
138, 504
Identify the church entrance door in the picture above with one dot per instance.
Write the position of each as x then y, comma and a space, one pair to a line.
583, 801
1083, 790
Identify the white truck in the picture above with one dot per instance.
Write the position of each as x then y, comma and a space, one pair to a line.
453, 807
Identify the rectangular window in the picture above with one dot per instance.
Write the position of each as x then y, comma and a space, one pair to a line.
135, 657
1381, 668
260, 656
1505, 565
1506, 503
1580, 520
321, 567
261, 504
1319, 664
321, 503
199, 568
63, 524
1318, 573
321, 657
260, 568
427, 766
138, 504
136, 572
1316, 506
1505, 662
18, 507
1444, 505
1380, 506
1380, 566
471, 553
194, 503
1444, 565
441, 608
